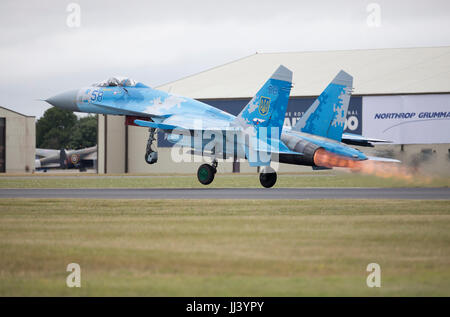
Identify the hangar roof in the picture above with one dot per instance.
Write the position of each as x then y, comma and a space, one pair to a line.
15, 112
375, 71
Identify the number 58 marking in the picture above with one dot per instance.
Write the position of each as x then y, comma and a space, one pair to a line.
96, 95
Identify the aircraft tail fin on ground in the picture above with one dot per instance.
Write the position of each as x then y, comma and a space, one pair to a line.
327, 115
268, 107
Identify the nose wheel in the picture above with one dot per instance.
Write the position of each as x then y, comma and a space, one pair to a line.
206, 173
151, 157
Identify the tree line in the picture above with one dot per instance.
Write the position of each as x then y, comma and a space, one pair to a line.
59, 128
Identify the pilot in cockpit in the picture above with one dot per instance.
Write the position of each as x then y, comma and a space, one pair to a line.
117, 81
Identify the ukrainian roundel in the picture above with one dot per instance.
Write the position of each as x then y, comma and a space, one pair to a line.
264, 105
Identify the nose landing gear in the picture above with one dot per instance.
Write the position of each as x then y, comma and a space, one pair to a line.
151, 156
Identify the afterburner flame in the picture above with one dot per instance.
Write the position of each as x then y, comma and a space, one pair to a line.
380, 169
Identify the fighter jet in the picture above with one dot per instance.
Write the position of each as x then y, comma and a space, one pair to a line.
65, 159
256, 134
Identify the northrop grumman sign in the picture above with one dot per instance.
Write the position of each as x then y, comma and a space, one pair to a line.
410, 119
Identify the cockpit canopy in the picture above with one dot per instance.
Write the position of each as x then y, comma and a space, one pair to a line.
117, 81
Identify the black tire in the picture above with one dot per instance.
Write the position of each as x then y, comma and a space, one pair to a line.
205, 174
268, 179
151, 157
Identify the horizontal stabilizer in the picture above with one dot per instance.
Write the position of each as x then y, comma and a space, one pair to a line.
356, 139
383, 159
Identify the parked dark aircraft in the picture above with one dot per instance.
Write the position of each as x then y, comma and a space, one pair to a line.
66, 159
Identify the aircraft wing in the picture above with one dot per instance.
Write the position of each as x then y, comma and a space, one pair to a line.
188, 123
46, 152
120, 110
90, 156
356, 139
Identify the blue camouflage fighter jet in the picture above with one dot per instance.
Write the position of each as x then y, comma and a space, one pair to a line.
256, 134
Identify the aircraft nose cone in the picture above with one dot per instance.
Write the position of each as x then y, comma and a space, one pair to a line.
66, 100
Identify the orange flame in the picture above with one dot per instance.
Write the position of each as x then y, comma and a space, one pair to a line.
380, 169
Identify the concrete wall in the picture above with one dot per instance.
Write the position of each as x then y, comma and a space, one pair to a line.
114, 145
101, 133
20, 141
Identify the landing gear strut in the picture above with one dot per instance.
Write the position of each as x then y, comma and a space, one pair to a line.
151, 156
268, 177
206, 172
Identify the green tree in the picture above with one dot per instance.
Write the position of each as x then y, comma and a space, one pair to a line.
84, 133
54, 128
59, 128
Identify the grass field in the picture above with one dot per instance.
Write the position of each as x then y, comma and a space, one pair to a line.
316, 179
224, 248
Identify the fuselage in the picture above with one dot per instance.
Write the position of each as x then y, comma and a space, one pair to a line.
143, 101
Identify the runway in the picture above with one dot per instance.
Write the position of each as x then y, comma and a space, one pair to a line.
231, 193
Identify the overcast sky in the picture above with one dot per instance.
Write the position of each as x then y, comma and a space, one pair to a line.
159, 41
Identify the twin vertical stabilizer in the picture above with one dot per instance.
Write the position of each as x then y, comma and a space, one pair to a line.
268, 107
326, 117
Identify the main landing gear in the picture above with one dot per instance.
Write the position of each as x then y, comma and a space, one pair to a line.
268, 177
206, 172
151, 156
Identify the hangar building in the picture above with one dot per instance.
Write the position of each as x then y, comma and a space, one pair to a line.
400, 95
17, 142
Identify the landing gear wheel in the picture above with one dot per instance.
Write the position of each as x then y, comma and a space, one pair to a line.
151, 157
205, 174
268, 179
